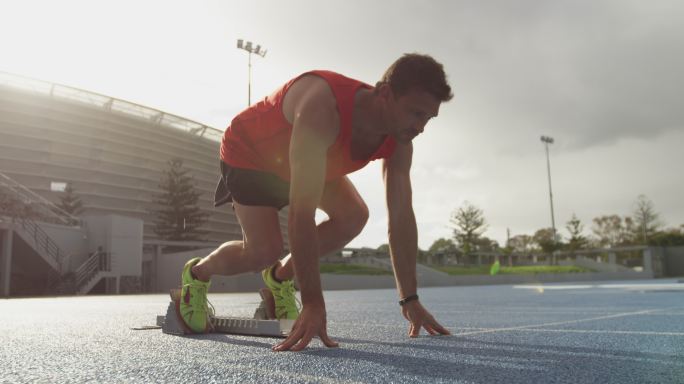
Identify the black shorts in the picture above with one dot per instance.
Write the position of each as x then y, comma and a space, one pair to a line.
250, 187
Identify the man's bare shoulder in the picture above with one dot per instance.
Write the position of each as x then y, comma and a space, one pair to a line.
310, 92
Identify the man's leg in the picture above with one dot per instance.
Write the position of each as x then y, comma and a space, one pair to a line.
261, 245
347, 215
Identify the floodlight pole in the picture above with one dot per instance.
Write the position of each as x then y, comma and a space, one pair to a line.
549, 140
250, 48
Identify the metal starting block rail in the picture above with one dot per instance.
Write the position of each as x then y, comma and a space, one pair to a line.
257, 326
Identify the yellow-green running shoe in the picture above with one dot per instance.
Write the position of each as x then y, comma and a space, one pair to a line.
283, 294
193, 306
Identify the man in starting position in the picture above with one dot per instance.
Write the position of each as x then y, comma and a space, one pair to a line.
295, 148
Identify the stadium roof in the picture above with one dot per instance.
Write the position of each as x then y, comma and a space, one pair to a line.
108, 103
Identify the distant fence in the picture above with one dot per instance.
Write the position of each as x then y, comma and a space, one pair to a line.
660, 261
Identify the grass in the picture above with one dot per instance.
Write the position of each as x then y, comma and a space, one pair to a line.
352, 269
521, 270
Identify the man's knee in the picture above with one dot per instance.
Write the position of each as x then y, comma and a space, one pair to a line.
264, 253
353, 218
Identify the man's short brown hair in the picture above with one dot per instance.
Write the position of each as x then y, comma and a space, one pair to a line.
415, 71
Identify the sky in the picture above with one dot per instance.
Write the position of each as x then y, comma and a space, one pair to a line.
603, 78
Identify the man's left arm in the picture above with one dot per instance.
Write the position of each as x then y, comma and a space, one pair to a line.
403, 239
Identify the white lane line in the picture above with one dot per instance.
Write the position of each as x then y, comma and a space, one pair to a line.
542, 287
553, 287
517, 311
643, 286
561, 322
646, 333
666, 359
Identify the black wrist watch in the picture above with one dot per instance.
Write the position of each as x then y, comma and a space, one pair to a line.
407, 299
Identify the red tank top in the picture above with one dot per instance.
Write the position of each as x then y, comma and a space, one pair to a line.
259, 137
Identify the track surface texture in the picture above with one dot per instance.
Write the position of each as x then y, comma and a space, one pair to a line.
616, 332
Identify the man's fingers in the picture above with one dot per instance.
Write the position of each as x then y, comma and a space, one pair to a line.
437, 327
430, 330
303, 342
295, 335
330, 343
414, 331
284, 346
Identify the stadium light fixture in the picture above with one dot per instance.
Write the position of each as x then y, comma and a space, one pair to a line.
250, 48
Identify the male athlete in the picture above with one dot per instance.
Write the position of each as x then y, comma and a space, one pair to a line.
295, 148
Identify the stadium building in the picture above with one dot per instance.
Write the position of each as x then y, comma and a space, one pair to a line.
113, 153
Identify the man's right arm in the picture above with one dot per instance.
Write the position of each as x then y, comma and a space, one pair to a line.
314, 130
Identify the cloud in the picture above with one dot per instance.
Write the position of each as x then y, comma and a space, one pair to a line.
593, 73
603, 78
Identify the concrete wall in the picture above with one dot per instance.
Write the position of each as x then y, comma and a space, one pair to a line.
342, 282
98, 232
71, 240
126, 245
121, 237
585, 262
548, 278
169, 268
6, 237
673, 261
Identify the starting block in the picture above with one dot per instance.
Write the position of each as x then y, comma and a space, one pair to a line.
262, 324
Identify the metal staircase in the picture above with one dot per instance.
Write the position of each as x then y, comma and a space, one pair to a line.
26, 209
82, 280
97, 266
34, 204
34, 235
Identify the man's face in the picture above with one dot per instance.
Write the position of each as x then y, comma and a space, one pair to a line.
409, 113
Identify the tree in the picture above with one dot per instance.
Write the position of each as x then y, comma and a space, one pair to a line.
575, 228
521, 243
10, 205
485, 244
70, 202
442, 245
179, 216
545, 240
13, 206
672, 237
646, 220
468, 224
612, 230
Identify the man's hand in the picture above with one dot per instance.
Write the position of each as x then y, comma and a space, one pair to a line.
311, 322
419, 318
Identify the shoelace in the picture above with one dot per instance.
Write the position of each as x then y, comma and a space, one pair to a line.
210, 314
207, 306
286, 293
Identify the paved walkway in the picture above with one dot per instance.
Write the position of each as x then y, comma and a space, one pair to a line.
630, 332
